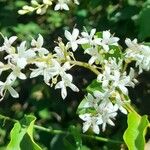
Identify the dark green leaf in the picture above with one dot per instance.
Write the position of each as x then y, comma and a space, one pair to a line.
144, 24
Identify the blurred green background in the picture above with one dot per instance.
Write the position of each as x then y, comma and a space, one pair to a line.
124, 18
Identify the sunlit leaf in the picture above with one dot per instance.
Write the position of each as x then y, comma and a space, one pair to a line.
134, 136
22, 135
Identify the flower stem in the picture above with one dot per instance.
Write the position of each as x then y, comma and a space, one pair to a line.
52, 131
85, 65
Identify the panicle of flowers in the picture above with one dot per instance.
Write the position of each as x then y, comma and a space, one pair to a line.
51, 66
105, 103
42, 7
107, 60
95, 44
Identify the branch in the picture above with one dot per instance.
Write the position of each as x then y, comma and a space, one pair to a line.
52, 131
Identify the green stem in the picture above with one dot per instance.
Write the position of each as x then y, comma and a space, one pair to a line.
52, 131
85, 65
125, 67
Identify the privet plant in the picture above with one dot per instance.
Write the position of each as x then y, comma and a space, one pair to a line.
106, 95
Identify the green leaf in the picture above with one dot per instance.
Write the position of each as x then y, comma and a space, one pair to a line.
94, 86
85, 46
16, 136
115, 51
134, 136
144, 24
22, 135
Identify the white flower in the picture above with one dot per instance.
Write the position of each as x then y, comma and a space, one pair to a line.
89, 38
107, 40
119, 103
138, 52
105, 77
113, 78
38, 45
91, 121
108, 112
103, 96
95, 56
62, 4
133, 45
7, 46
16, 73
121, 81
7, 86
72, 38
48, 71
91, 101
21, 57
59, 53
66, 82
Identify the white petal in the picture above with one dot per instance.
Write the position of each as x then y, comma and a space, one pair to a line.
40, 40
85, 117
22, 76
13, 92
106, 34
57, 7
123, 110
86, 126
113, 40
35, 73
68, 35
92, 60
74, 46
29, 53
93, 31
105, 47
22, 47
21, 62
96, 128
74, 88
104, 126
75, 33
65, 6
123, 89
12, 39
59, 85
46, 77
63, 92
110, 122
82, 41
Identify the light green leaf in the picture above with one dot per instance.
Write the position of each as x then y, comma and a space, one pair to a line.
16, 136
85, 46
94, 86
134, 136
22, 135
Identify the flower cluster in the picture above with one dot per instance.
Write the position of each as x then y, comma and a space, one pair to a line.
139, 53
106, 60
41, 8
110, 98
50, 66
